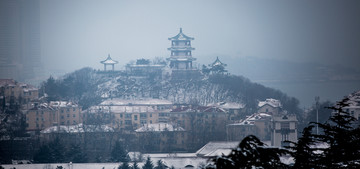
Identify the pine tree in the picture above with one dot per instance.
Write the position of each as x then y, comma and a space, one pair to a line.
135, 166
342, 138
251, 153
119, 154
76, 155
160, 165
148, 164
303, 150
124, 165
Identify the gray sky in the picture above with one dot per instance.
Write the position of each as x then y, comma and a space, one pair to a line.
81, 33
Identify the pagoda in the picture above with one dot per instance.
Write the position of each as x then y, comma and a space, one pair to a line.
109, 61
181, 58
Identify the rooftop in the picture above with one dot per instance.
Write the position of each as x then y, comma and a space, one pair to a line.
108, 60
122, 102
181, 36
159, 127
270, 102
217, 62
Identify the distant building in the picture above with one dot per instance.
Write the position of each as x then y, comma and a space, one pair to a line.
55, 113
163, 137
130, 114
20, 56
284, 128
181, 60
109, 62
270, 106
143, 67
15, 93
217, 67
181, 57
258, 124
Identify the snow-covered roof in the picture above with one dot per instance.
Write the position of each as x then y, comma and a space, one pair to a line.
270, 102
213, 148
217, 62
228, 105
150, 102
108, 60
80, 128
159, 127
250, 120
59, 104
181, 36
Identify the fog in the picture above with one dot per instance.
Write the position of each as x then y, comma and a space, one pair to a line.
81, 33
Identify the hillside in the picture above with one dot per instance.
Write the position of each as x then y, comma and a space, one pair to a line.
88, 87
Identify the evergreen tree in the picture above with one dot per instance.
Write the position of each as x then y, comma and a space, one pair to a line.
76, 155
303, 150
124, 165
342, 138
251, 153
42, 155
148, 164
52, 152
160, 165
119, 154
135, 166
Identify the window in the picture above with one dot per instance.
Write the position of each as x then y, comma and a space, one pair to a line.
143, 115
128, 116
74, 115
74, 109
62, 117
135, 117
150, 115
67, 110
285, 125
121, 115
127, 122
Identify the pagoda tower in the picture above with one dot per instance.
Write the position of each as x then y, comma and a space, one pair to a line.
181, 58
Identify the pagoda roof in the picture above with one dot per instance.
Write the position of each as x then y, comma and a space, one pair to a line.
181, 36
217, 62
181, 48
109, 61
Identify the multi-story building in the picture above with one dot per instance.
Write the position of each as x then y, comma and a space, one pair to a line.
162, 137
53, 114
13, 92
181, 60
20, 40
129, 114
258, 124
284, 128
270, 106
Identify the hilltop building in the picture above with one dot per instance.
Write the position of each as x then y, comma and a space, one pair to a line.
217, 67
181, 60
109, 61
181, 56
145, 68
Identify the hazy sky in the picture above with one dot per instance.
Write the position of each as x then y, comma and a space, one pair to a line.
81, 33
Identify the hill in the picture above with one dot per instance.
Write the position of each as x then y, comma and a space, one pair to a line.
88, 87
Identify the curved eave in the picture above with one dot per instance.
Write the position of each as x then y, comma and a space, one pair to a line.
109, 62
181, 48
